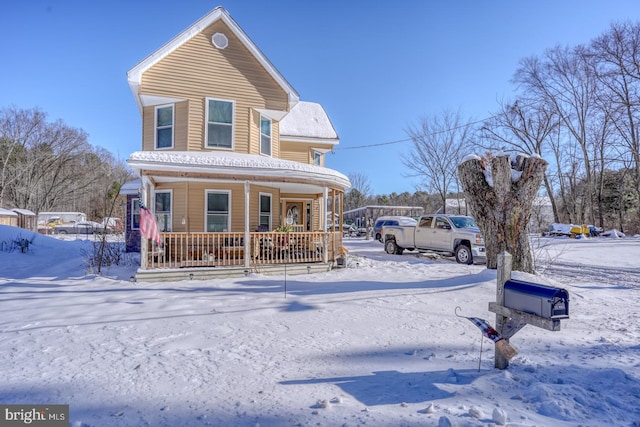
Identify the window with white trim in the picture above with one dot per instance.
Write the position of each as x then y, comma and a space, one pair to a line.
265, 211
135, 214
164, 126
218, 206
163, 210
219, 131
316, 158
265, 135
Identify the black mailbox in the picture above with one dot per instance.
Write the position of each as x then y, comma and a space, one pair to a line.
540, 300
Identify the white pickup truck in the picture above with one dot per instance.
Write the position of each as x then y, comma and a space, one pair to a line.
457, 235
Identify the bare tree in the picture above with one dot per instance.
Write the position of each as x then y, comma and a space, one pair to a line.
19, 131
616, 60
49, 165
564, 82
436, 151
360, 192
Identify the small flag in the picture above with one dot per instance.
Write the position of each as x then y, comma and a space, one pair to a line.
149, 225
502, 345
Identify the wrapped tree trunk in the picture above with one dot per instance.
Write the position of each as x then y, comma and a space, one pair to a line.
500, 194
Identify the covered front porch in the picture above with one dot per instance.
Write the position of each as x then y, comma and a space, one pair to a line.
207, 255
242, 219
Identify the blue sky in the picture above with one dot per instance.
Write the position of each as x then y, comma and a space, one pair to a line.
376, 67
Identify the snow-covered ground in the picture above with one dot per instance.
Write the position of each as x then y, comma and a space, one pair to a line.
377, 343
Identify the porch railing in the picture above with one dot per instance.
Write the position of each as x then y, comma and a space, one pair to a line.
230, 249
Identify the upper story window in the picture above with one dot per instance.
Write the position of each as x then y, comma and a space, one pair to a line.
163, 210
219, 131
164, 126
265, 136
316, 158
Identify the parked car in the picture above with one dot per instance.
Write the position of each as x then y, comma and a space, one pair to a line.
113, 225
354, 231
390, 220
456, 235
82, 227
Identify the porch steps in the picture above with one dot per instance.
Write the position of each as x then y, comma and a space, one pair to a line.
206, 273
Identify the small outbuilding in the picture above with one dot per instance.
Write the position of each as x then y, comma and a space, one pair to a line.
27, 219
8, 217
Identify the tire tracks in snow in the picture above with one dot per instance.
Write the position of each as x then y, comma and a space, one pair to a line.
580, 275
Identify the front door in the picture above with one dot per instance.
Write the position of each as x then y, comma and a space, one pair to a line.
294, 215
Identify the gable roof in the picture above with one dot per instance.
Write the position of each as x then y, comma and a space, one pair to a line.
219, 13
308, 122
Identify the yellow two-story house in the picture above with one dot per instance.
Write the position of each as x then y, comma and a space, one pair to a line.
232, 162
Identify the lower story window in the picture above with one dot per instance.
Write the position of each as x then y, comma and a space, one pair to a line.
265, 211
163, 210
135, 214
218, 210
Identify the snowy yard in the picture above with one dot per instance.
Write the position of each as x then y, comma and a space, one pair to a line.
376, 343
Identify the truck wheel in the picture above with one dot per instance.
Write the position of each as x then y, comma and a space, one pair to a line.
378, 237
463, 254
390, 247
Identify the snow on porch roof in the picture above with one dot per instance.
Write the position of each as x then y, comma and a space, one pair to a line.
234, 164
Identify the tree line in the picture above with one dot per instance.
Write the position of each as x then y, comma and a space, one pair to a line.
50, 166
578, 107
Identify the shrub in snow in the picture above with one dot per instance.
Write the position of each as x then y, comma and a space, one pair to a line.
18, 243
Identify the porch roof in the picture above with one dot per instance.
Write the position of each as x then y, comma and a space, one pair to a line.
235, 166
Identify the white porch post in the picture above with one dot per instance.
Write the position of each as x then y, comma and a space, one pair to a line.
323, 220
247, 245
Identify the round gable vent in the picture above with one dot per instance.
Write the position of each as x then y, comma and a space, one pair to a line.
220, 41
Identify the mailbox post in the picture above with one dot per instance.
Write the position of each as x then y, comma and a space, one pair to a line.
527, 304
